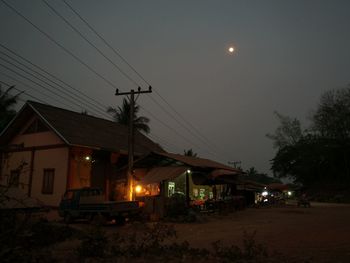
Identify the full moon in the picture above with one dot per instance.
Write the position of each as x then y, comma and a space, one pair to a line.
231, 49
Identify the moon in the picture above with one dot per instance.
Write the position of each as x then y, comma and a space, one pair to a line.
231, 49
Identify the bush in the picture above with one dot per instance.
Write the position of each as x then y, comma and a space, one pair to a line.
94, 244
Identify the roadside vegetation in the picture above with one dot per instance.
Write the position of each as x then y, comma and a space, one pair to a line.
318, 157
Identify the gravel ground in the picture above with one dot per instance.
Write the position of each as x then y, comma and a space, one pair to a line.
317, 234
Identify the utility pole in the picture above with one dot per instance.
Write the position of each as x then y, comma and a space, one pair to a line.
130, 178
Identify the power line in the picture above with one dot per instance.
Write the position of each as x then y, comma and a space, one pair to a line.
47, 83
69, 52
104, 41
58, 44
164, 141
21, 75
181, 124
167, 126
33, 88
88, 41
51, 75
100, 52
23, 91
60, 86
198, 133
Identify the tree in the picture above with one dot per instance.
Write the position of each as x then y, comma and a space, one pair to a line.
7, 101
254, 175
332, 117
287, 133
190, 152
122, 115
320, 155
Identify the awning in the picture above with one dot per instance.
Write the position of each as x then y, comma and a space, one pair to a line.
159, 174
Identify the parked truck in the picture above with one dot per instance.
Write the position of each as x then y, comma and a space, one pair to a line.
89, 203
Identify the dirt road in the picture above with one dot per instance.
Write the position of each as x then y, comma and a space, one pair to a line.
319, 234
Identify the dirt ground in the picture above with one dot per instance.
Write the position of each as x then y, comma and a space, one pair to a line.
317, 234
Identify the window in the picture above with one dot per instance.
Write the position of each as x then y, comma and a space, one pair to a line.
171, 188
48, 181
14, 178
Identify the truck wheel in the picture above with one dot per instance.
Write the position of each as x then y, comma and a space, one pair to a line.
68, 218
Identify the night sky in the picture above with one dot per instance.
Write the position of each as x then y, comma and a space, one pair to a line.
287, 53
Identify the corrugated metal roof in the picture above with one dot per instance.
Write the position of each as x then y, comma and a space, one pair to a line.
159, 174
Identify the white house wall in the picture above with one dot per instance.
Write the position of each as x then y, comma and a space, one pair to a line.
49, 153
50, 159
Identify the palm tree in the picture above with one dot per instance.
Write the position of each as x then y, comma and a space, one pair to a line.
7, 101
122, 115
190, 152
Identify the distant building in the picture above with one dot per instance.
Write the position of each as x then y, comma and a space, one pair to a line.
46, 150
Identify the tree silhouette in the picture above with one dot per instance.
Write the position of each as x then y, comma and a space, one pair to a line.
190, 153
7, 101
122, 115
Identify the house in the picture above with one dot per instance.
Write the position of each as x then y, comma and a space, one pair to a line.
46, 150
161, 176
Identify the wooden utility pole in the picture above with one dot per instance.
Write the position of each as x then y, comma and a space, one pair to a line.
130, 179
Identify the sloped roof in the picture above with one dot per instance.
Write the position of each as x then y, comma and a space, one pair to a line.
198, 162
165, 166
82, 130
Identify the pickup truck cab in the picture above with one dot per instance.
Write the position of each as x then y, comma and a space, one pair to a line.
89, 203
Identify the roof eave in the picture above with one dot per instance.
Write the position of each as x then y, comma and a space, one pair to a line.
48, 124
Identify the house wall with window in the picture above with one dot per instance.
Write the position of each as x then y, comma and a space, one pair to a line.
32, 151
49, 180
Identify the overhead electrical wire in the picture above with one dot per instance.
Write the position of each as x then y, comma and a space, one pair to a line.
198, 133
117, 53
42, 86
51, 75
33, 88
22, 92
101, 53
166, 125
58, 44
89, 42
96, 109
47, 83
164, 142
82, 62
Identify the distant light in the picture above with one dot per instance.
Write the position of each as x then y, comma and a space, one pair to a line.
188, 171
87, 158
265, 193
289, 193
138, 189
231, 49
